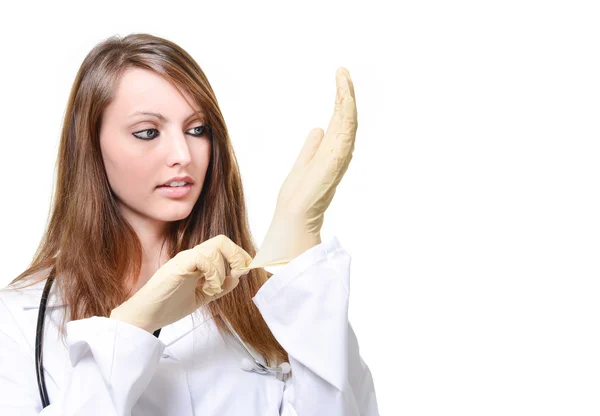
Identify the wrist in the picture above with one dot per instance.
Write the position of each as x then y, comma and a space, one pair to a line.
282, 244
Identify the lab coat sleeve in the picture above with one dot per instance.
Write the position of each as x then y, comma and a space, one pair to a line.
112, 364
305, 305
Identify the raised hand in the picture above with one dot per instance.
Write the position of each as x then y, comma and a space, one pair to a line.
309, 187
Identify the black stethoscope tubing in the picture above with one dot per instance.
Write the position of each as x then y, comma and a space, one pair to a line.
39, 340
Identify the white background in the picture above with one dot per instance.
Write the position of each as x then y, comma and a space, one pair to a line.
471, 205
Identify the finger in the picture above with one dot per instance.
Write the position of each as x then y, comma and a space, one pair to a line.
344, 115
312, 143
229, 284
205, 265
344, 82
234, 255
348, 78
216, 257
343, 124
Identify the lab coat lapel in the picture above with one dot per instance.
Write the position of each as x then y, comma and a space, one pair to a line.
179, 337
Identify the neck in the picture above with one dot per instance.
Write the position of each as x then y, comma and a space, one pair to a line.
152, 234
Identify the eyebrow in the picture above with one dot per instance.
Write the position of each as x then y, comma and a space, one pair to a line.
163, 118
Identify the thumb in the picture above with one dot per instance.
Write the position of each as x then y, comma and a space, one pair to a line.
311, 144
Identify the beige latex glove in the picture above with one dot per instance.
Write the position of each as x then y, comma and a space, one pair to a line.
191, 279
309, 188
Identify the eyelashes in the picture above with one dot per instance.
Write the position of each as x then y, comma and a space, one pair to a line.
200, 131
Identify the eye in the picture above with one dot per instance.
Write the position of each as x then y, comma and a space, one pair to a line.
198, 131
201, 130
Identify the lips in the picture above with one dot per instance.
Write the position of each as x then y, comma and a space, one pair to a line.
186, 179
174, 191
169, 186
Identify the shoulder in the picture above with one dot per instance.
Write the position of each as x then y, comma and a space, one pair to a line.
19, 307
27, 293
28, 297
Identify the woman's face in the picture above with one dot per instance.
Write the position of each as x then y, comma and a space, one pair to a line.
142, 152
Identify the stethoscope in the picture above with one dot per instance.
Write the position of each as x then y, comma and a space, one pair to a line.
247, 365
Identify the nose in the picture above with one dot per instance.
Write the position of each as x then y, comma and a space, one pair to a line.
178, 151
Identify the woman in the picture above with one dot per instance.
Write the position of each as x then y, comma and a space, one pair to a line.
145, 163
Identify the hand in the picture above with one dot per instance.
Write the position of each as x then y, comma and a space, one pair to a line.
309, 188
191, 279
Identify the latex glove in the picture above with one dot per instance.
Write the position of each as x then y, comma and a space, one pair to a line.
309, 188
191, 279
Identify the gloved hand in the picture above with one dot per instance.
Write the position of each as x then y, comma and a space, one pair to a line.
191, 279
309, 188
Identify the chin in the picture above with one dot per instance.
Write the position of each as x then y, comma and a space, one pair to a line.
175, 214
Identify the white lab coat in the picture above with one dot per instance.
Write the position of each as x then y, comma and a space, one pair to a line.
109, 367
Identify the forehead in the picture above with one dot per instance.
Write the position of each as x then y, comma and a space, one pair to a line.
143, 90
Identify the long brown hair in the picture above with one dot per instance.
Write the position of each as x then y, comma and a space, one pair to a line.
89, 243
